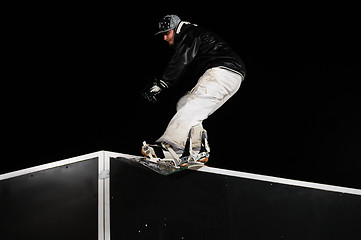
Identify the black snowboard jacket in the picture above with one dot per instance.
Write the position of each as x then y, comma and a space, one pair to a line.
195, 45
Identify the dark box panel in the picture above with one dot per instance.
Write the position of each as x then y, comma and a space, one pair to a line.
198, 205
58, 203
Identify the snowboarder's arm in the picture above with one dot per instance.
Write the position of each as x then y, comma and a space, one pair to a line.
184, 55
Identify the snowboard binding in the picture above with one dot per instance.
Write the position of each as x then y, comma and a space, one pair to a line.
161, 153
190, 156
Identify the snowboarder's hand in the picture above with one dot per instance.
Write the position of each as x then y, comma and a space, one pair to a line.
151, 93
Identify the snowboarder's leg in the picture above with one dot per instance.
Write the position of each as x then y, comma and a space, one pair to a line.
213, 89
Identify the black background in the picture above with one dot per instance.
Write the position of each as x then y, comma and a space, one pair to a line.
74, 74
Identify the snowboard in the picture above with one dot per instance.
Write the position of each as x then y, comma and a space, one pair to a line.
165, 168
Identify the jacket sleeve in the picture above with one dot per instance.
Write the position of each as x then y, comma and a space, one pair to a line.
183, 56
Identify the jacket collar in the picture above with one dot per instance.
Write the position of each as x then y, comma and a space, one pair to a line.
180, 25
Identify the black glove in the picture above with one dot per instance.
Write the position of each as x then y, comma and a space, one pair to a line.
150, 94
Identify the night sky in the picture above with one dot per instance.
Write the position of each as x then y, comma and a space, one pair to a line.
77, 73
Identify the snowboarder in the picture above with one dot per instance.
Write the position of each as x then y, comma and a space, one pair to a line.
222, 74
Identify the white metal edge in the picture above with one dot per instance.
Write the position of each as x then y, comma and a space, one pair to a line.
101, 224
106, 159
50, 165
268, 178
280, 180
107, 197
114, 154
108, 154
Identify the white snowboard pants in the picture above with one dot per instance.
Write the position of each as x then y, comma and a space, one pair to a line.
212, 90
